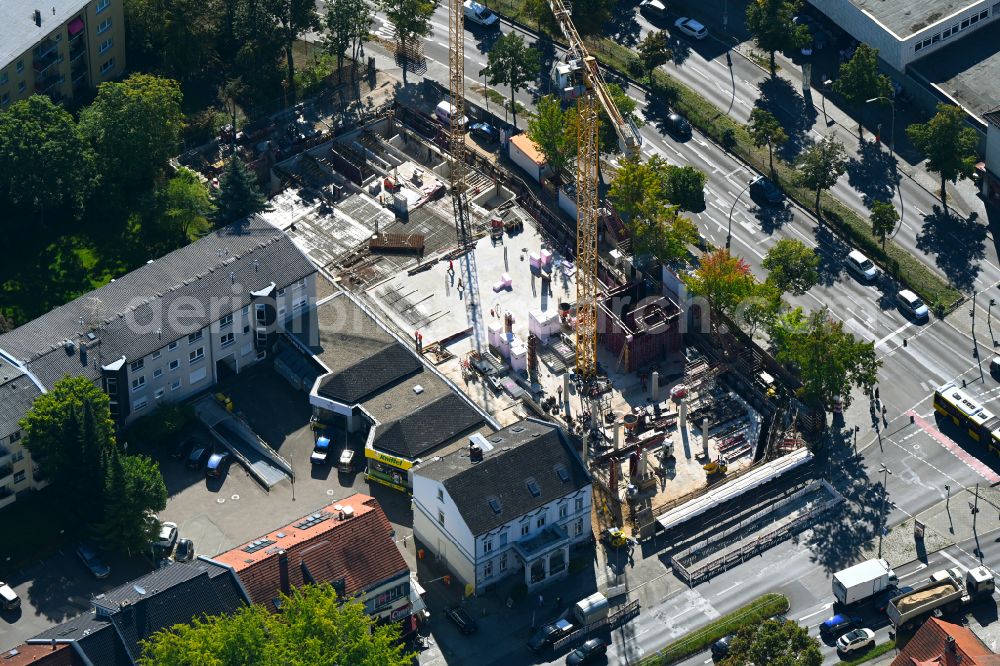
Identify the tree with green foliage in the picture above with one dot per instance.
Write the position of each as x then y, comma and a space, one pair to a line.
553, 135
314, 628
765, 130
538, 10
183, 208
654, 51
665, 235
723, 280
510, 62
883, 218
292, 18
949, 144
684, 186
591, 17
828, 360
821, 165
760, 308
860, 80
607, 137
135, 126
348, 23
176, 38
134, 489
256, 50
770, 23
238, 195
792, 266
46, 161
635, 191
412, 20
773, 643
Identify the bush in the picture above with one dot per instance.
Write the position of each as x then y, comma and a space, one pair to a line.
163, 426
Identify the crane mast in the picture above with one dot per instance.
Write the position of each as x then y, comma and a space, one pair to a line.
456, 130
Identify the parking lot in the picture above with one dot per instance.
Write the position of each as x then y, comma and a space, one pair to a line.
216, 513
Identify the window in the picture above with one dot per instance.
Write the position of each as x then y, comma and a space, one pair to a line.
5, 100
106, 45
918, 46
226, 321
488, 569
174, 364
533, 487
172, 346
441, 517
965, 24
20, 87
18, 455
197, 375
983, 15
246, 329
563, 510
138, 382
108, 66
262, 354
196, 355
488, 546
260, 311
158, 394
299, 303
20, 66
3, 78
139, 405
503, 562
524, 528
246, 311
102, 5
946, 33
155, 355
157, 373
540, 522
301, 283
936, 38
579, 504
15, 436
135, 366
104, 26
174, 385
112, 386
440, 494
228, 339
281, 312
579, 527
19, 477
194, 337
281, 292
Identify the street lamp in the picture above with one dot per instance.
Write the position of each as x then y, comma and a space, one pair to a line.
892, 121
885, 497
729, 230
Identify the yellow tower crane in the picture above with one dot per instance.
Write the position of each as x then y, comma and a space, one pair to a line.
456, 131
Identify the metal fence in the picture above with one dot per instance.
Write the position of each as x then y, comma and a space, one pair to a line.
620, 616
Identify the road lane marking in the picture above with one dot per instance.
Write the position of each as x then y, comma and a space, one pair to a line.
973, 463
896, 332
731, 587
920, 568
825, 608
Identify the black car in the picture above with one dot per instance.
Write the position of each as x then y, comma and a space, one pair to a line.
88, 555
183, 448
462, 620
654, 9
838, 625
678, 125
485, 132
762, 189
720, 648
549, 634
199, 456
184, 551
587, 652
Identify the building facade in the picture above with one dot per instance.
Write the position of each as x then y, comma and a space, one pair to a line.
60, 49
512, 503
164, 332
991, 166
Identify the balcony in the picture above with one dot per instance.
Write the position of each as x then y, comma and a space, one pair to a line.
41, 64
7, 496
6, 457
6, 473
46, 48
44, 84
77, 49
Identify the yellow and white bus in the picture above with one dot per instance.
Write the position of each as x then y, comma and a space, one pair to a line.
969, 415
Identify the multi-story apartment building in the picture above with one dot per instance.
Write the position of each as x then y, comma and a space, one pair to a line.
515, 501
164, 332
59, 48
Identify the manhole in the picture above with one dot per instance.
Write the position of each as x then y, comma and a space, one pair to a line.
234, 497
329, 492
220, 500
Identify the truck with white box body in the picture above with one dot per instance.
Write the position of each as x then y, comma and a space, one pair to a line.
863, 581
946, 592
590, 610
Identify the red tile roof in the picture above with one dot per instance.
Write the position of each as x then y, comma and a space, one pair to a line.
359, 549
928, 646
41, 655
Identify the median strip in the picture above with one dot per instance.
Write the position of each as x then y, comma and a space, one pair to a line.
699, 640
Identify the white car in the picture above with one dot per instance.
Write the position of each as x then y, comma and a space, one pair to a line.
479, 14
859, 639
653, 9
691, 28
167, 537
911, 304
861, 266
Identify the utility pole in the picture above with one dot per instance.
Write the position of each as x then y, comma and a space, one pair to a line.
885, 499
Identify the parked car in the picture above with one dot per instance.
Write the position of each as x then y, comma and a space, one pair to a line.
691, 28
995, 367
859, 639
549, 634
678, 125
183, 448
720, 648
485, 132
911, 304
587, 653
763, 189
199, 456
216, 463
862, 267
185, 550
166, 538
88, 555
654, 9
462, 620
8, 597
838, 625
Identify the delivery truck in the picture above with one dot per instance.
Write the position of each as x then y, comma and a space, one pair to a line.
863, 581
946, 592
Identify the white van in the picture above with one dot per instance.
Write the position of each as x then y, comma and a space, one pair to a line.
861, 266
479, 14
445, 112
8, 597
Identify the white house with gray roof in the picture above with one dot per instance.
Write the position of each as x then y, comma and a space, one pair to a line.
512, 502
161, 333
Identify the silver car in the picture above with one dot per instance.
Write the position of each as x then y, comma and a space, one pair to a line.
859, 639
911, 304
